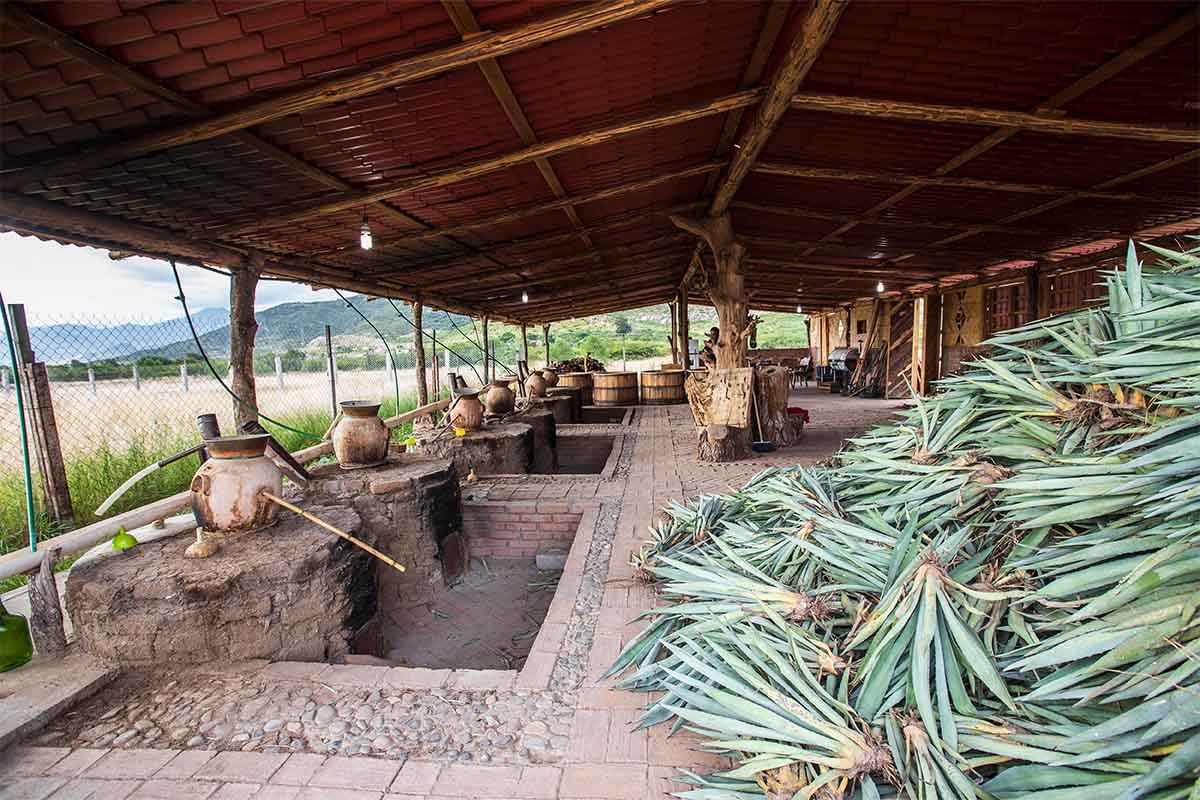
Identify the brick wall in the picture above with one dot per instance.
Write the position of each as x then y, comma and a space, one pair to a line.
519, 530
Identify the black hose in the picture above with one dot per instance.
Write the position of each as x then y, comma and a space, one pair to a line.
204, 355
449, 349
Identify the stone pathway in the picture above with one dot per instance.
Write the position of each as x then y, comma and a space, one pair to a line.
343, 733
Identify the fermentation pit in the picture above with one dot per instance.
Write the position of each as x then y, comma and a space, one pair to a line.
584, 454
607, 415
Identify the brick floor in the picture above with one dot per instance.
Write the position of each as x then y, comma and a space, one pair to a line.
607, 759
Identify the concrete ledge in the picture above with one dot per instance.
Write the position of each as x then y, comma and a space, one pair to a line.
42, 689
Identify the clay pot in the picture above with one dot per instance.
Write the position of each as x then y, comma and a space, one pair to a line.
360, 438
500, 398
225, 490
550, 377
468, 411
535, 385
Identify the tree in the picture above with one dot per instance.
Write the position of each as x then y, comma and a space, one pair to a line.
622, 326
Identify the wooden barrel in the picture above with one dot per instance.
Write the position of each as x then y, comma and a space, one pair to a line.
663, 387
615, 388
580, 380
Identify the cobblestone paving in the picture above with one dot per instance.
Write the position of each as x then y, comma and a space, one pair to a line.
251, 732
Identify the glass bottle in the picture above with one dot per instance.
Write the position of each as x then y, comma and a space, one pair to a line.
16, 646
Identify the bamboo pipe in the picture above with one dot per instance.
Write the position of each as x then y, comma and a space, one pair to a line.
311, 518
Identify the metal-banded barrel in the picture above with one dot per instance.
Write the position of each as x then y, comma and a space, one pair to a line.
615, 388
581, 380
663, 387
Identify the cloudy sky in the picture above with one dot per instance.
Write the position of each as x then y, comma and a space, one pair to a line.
55, 280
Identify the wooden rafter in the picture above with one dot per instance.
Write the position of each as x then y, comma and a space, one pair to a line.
802, 268
528, 212
777, 13
632, 264
933, 179
815, 33
463, 17
349, 86
793, 244
1181, 25
26, 214
992, 117
486, 166
875, 219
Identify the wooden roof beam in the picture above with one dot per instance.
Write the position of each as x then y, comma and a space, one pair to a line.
1181, 25
527, 212
463, 17
1041, 122
875, 272
875, 219
349, 86
932, 179
633, 265
818, 27
456, 174
795, 244
33, 215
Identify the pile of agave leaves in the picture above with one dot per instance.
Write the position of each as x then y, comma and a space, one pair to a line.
995, 597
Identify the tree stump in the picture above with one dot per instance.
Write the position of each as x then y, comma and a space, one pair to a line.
772, 385
721, 443
45, 611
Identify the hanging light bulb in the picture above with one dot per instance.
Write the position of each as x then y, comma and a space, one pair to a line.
799, 309
524, 296
879, 287
364, 233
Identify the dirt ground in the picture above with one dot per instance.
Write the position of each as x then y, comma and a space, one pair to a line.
487, 620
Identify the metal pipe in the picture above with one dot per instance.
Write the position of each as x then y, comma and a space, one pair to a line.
12, 357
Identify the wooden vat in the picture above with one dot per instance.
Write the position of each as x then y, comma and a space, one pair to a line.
580, 380
663, 387
615, 388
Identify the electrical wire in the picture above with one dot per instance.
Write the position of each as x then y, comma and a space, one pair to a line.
449, 349
204, 355
12, 357
476, 342
391, 358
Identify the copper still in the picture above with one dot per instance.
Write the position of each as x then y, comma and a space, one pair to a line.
550, 377
535, 385
500, 398
467, 412
226, 490
360, 439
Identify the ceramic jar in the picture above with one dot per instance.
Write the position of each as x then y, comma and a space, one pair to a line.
500, 398
535, 385
550, 377
225, 490
468, 411
360, 438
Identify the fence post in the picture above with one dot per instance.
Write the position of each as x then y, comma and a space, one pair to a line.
278, 371
45, 428
91, 380
437, 383
183, 375
333, 406
137, 379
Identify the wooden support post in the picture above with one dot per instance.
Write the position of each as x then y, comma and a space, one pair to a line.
684, 352
332, 365
419, 350
850, 333
931, 341
487, 357
436, 383
524, 342
242, 329
45, 609
546, 343
671, 307
1032, 296
46, 442
278, 371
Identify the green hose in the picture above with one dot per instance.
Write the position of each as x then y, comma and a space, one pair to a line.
12, 358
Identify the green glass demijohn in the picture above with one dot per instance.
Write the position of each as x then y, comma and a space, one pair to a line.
16, 646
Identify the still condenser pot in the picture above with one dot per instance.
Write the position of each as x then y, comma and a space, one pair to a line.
360, 438
227, 489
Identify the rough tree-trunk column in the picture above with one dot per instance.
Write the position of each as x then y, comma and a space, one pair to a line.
419, 350
487, 357
728, 292
546, 342
525, 343
242, 329
719, 442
